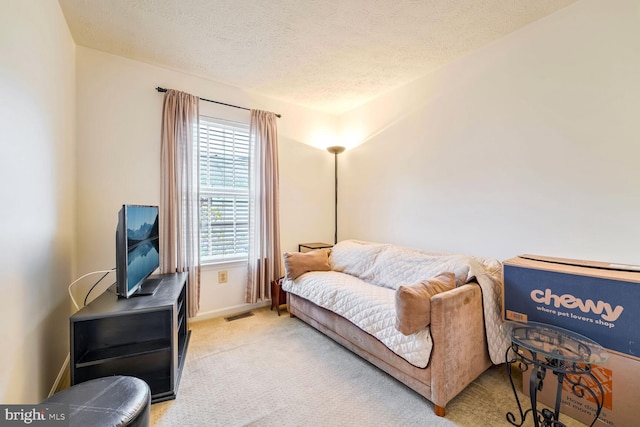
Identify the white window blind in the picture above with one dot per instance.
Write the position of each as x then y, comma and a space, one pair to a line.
224, 190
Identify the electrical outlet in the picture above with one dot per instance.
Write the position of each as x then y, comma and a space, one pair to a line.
222, 276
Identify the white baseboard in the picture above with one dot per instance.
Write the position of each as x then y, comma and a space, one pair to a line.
228, 311
60, 376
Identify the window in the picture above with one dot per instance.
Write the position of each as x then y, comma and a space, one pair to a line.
224, 190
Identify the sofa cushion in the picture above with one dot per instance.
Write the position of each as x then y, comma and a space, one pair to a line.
413, 302
397, 265
356, 258
298, 263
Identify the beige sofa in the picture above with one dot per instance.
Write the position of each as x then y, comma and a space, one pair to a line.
459, 352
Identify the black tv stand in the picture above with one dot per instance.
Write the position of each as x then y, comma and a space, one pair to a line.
148, 287
142, 337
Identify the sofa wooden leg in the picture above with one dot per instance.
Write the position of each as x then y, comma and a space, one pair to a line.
439, 410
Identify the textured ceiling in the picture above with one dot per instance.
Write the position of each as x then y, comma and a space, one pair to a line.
330, 55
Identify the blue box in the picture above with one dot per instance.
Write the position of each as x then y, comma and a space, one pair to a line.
598, 300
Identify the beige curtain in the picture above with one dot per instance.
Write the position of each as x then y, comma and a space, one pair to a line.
264, 219
179, 237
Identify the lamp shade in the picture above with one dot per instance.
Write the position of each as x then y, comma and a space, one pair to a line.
335, 149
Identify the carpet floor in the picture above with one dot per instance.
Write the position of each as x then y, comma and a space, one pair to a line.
269, 370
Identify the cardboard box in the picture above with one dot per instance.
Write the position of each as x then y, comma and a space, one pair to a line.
598, 300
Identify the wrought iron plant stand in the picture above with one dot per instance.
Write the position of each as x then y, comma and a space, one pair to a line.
569, 356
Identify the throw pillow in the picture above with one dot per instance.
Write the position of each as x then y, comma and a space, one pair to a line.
413, 302
298, 263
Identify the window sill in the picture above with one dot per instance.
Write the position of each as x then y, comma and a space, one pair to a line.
219, 265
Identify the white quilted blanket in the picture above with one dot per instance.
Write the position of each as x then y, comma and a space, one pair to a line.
371, 308
348, 292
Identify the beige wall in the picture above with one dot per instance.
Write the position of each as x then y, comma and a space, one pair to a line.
529, 145
37, 172
119, 115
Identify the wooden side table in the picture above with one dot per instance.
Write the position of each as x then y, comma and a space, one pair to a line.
307, 247
278, 295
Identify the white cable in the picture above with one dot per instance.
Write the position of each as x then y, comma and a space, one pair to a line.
80, 278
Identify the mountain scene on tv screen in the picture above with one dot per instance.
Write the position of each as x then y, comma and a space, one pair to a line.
142, 242
142, 224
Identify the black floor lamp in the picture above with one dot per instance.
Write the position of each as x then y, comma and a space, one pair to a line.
335, 150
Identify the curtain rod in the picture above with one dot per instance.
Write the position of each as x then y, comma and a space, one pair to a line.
161, 89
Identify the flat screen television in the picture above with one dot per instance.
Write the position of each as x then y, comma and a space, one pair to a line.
137, 250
